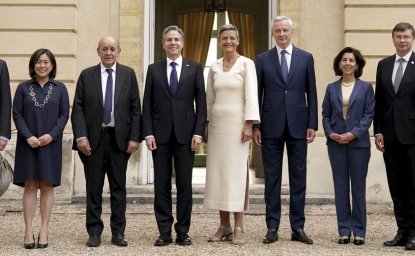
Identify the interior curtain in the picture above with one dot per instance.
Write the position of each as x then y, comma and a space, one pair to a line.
246, 27
197, 28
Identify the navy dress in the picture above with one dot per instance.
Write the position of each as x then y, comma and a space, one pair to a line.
35, 114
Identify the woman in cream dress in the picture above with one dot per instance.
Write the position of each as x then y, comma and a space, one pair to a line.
232, 104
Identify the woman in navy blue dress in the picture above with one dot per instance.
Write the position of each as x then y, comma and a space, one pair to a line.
40, 112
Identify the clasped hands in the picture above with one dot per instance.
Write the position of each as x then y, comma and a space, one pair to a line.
43, 140
344, 138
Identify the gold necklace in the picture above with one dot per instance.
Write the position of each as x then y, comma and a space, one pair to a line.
348, 84
228, 64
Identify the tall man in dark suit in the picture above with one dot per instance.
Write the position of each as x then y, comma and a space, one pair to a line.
394, 127
5, 105
174, 116
288, 105
106, 125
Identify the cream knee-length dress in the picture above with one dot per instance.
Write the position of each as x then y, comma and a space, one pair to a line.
231, 98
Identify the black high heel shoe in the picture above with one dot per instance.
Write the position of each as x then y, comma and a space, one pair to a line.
41, 246
31, 245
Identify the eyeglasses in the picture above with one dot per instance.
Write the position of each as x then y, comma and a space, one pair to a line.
402, 37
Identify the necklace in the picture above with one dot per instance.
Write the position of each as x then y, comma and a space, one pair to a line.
45, 101
347, 84
228, 64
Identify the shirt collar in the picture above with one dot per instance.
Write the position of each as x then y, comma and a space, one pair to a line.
289, 49
103, 68
178, 61
406, 57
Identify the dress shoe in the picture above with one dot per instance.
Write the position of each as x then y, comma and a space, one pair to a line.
30, 245
271, 236
94, 241
300, 236
410, 245
119, 240
163, 241
344, 240
183, 239
224, 233
41, 246
398, 240
359, 241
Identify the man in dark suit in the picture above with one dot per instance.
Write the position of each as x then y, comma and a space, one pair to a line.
174, 116
106, 126
394, 127
288, 105
5, 105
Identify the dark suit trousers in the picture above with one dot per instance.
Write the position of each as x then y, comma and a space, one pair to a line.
349, 166
400, 170
272, 155
106, 159
164, 157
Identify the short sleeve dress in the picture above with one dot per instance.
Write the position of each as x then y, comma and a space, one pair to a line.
38, 111
232, 98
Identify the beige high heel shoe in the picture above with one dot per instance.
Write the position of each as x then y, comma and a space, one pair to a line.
238, 241
226, 236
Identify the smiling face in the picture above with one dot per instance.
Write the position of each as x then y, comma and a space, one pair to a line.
403, 41
228, 41
348, 64
108, 50
173, 44
282, 33
43, 67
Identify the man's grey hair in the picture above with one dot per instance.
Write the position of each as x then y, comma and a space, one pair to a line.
172, 28
281, 18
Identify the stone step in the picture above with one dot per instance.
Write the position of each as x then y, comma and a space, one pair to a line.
143, 194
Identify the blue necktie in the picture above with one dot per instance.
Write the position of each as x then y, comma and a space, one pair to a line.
108, 98
284, 66
173, 78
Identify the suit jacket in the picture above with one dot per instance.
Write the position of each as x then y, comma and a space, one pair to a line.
87, 109
359, 115
164, 112
395, 112
294, 102
5, 101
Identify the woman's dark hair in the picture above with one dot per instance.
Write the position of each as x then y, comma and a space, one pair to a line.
35, 57
360, 61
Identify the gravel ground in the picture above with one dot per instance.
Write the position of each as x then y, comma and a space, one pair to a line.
67, 235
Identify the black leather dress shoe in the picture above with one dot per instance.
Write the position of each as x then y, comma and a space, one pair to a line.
398, 240
300, 236
94, 241
358, 241
183, 239
119, 240
163, 241
271, 236
344, 240
410, 245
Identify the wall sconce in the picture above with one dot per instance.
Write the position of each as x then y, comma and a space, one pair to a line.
214, 5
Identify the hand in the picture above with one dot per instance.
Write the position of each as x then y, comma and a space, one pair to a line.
132, 146
311, 134
45, 139
33, 142
196, 142
345, 138
246, 132
84, 147
257, 137
380, 144
3, 144
151, 143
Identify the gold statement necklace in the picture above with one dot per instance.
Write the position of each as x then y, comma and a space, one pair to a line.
348, 84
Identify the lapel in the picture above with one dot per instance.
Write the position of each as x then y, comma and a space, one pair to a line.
295, 60
356, 91
338, 90
162, 66
274, 59
409, 70
186, 67
96, 76
118, 82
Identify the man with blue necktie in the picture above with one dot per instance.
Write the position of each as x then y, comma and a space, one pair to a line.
288, 107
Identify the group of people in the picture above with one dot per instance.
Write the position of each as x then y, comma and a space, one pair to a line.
272, 101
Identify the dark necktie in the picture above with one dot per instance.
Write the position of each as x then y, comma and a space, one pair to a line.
398, 76
173, 78
108, 98
284, 66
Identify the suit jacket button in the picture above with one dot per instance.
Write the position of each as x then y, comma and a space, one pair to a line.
285, 91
